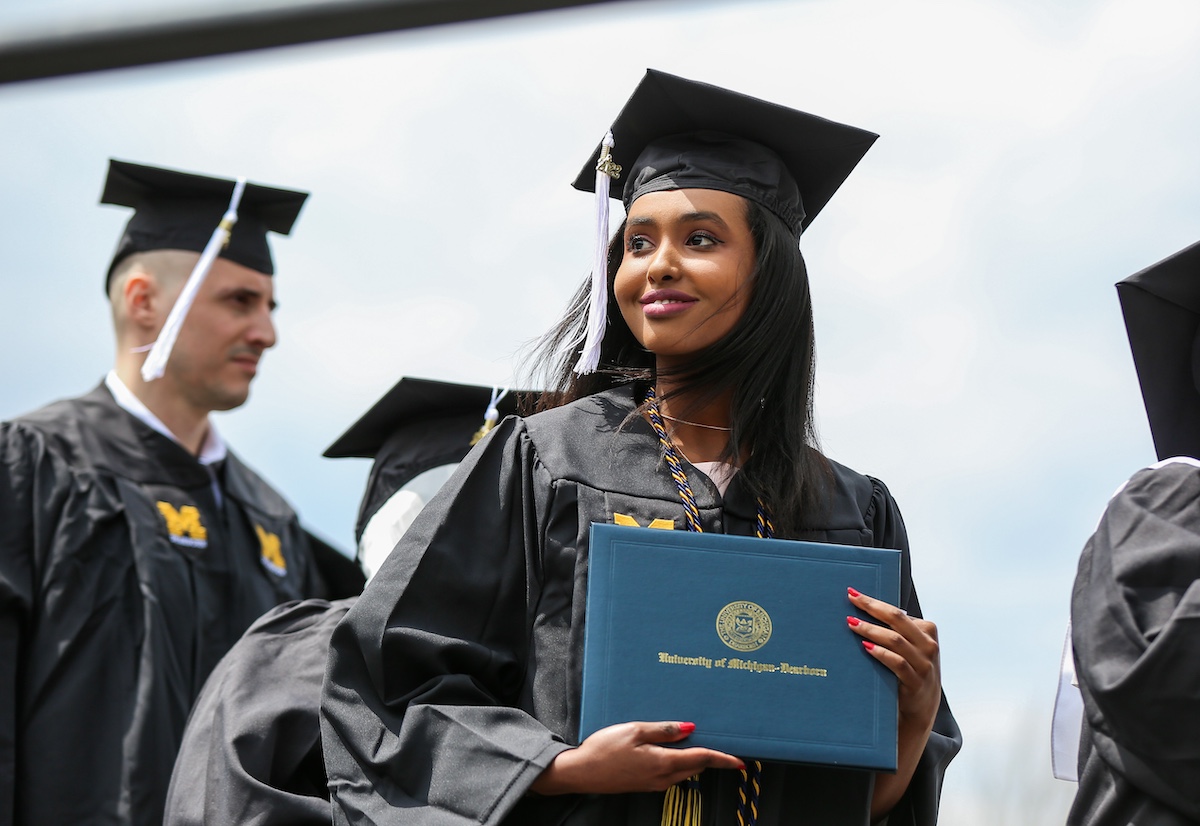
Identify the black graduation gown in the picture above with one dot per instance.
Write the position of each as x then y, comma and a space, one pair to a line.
122, 583
455, 679
1135, 630
252, 749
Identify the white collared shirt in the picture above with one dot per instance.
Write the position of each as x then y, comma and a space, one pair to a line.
213, 449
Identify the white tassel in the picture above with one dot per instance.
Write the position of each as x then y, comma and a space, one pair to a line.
492, 416
156, 362
597, 321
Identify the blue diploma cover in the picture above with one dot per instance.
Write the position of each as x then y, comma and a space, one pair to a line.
745, 637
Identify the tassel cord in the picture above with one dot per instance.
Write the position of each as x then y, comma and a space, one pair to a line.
683, 799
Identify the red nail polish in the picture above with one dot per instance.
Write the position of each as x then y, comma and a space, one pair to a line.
742, 766
853, 621
867, 644
687, 728
853, 593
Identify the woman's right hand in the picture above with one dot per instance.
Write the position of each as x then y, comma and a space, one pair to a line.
628, 758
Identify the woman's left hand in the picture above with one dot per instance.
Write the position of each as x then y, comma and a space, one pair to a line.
908, 646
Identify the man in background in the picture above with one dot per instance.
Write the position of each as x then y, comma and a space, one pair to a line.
135, 548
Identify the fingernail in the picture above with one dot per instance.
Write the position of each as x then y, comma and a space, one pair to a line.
853, 621
687, 728
742, 766
853, 593
867, 644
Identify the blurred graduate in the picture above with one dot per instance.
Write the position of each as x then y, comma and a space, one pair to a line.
1135, 606
251, 752
136, 547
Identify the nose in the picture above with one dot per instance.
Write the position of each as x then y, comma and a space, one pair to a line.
262, 332
664, 264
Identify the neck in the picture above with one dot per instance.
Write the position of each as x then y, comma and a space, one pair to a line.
698, 428
186, 422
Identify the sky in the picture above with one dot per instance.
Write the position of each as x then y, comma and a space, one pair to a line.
971, 351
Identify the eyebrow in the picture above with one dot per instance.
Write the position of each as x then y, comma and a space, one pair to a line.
687, 217
232, 291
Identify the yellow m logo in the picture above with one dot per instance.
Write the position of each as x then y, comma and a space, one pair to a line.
272, 555
629, 521
184, 524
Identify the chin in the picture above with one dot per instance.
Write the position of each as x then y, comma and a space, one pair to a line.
230, 400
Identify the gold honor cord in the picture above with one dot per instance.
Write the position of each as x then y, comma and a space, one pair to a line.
682, 805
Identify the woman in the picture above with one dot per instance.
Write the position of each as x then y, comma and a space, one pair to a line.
453, 690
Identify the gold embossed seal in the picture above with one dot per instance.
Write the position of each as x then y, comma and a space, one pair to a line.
744, 626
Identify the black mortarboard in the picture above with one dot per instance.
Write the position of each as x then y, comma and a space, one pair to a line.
418, 425
180, 210
675, 134
1161, 305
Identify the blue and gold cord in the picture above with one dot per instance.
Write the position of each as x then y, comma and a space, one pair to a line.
682, 806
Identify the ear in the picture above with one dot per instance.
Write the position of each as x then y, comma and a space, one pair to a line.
142, 297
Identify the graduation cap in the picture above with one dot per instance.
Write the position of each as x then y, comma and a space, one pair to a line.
419, 425
179, 210
1161, 305
675, 133
185, 211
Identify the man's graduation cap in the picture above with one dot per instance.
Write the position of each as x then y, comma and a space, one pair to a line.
675, 133
418, 425
184, 211
176, 210
1161, 305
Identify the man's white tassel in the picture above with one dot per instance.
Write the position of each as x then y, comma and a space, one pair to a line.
156, 362
606, 170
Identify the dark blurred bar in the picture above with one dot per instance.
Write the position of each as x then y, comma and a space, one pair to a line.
87, 48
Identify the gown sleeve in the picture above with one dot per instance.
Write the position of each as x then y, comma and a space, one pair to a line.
919, 805
1135, 620
31, 492
426, 712
15, 598
251, 752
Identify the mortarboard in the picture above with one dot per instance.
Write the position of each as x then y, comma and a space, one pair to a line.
184, 211
1161, 305
675, 133
179, 210
418, 425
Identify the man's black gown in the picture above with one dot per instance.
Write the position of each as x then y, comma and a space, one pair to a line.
1135, 630
123, 580
455, 679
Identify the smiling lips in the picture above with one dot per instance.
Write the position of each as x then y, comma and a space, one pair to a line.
665, 303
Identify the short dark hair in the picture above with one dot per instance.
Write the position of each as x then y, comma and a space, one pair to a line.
767, 361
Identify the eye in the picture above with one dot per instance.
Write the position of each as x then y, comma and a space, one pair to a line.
701, 239
243, 299
637, 243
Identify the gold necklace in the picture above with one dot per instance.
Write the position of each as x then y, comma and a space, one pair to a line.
694, 424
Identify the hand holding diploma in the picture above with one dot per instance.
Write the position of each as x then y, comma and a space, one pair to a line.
627, 757
908, 646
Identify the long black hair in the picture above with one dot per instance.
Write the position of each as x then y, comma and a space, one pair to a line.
766, 363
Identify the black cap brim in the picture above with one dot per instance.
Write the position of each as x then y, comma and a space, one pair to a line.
1161, 306
414, 400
